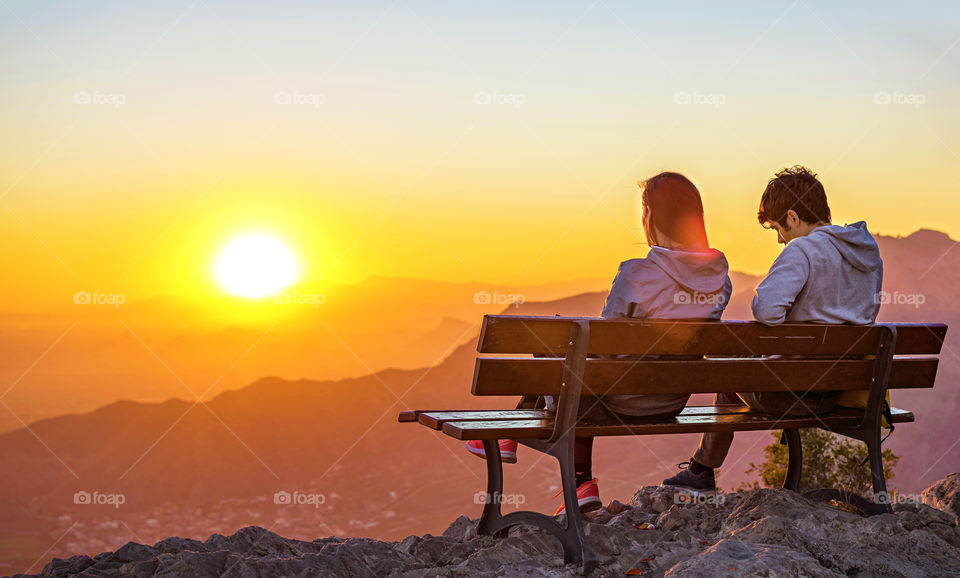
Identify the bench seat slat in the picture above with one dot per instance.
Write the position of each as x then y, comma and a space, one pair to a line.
542, 376
751, 421
408, 416
436, 419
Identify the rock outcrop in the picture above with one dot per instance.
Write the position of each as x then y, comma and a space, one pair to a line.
944, 495
759, 533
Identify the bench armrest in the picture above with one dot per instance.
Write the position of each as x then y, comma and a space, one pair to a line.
568, 402
873, 414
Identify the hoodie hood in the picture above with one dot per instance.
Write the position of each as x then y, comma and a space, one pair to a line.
855, 244
833, 275
697, 271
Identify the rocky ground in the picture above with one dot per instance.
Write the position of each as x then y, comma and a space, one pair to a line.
758, 533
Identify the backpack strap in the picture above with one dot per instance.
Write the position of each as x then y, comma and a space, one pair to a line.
887, 415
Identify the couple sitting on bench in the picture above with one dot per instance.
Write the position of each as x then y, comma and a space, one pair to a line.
827, 273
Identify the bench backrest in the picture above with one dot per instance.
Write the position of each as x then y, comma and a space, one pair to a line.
813, 357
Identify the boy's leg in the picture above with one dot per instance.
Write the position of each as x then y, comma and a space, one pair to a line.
714, 446
790, 404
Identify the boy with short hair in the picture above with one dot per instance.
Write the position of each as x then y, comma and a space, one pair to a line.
826, 274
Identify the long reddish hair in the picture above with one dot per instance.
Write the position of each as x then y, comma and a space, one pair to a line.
676, 209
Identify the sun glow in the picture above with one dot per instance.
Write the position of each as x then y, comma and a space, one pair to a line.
256, 265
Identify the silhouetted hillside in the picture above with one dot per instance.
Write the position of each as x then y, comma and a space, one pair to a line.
82, 356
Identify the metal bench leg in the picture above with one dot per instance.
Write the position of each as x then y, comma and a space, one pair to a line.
869, 433
879, 504
491, 516
795, 463
880, 495
575, 546
572, 537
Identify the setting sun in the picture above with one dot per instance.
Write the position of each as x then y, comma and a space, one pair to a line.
256, 265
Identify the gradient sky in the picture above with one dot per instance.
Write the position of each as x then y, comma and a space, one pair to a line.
392, 163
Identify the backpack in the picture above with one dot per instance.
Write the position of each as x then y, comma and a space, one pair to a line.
858, 399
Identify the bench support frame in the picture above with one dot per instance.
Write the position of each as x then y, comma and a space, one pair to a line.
576, 549
795, 459
868, 432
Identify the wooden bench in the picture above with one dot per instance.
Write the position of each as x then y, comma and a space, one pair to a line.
562, 360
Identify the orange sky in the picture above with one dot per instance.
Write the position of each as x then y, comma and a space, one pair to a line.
419, 143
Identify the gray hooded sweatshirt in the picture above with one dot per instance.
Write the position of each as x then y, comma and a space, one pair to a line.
833, 275
667, 284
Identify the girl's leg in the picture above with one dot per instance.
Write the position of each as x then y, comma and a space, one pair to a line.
583, 459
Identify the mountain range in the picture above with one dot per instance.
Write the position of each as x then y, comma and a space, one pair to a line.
189, 468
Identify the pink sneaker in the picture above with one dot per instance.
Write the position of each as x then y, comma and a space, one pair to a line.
508, 450
588, 496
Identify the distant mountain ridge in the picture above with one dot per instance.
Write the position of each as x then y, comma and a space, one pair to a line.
80, 357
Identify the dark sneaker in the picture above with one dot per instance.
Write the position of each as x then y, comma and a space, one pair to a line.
686, 479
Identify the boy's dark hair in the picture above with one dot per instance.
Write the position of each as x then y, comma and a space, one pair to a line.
796, 188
